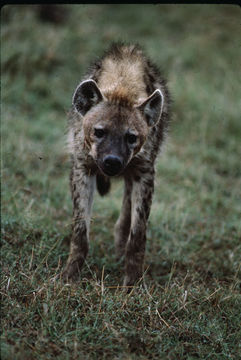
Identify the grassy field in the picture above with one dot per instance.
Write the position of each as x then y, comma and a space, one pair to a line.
189, 305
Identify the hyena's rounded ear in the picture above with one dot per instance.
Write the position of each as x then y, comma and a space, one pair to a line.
152, 107
86, 95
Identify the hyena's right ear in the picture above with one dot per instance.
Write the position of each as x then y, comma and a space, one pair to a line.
86, 95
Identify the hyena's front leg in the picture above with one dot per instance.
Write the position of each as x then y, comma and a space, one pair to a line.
82, 195
122, 227
135, 247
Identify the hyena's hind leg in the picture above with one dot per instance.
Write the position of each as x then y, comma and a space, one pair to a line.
82, 195
123, 224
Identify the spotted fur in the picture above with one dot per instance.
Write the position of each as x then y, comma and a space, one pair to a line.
117, 125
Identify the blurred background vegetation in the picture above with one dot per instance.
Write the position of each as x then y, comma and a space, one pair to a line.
194, 232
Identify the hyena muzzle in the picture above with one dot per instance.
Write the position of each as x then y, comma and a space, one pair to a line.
117, 124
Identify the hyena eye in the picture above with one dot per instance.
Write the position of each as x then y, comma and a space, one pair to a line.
131, 138
99, 133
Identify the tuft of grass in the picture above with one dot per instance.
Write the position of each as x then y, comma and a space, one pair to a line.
188, 304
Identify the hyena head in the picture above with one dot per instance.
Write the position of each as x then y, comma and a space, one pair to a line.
114, 131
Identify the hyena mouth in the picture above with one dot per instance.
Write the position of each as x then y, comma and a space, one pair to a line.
112, 165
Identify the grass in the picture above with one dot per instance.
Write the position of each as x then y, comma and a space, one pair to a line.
189, 305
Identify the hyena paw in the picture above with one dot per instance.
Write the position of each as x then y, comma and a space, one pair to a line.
72, 270
130, 281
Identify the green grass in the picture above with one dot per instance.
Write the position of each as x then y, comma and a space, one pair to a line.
189, 307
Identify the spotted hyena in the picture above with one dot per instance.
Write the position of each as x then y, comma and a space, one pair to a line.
117, 125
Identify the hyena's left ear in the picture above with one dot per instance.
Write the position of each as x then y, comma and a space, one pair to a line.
86, 95
152, 107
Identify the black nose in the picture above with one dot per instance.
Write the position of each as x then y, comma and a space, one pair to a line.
112, 165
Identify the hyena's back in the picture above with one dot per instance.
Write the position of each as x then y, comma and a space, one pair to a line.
124, 73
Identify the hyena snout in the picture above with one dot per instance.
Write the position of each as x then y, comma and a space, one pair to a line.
112, 165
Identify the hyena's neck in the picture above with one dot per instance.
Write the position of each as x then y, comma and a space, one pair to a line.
122, 76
